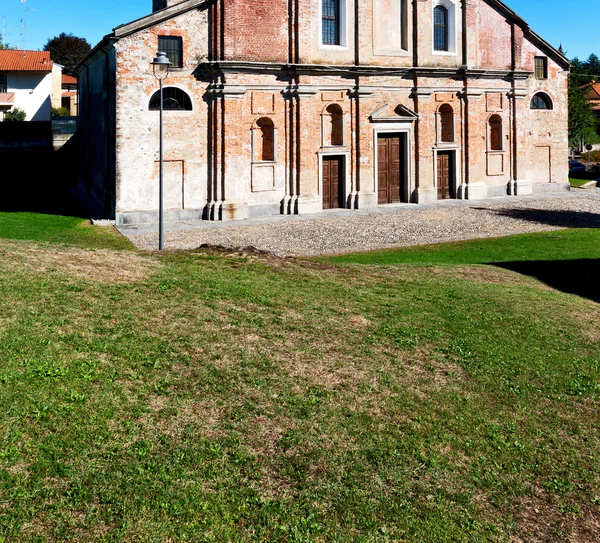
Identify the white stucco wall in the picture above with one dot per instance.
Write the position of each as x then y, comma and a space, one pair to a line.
33, 91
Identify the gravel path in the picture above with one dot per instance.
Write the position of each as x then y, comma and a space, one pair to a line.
342, 231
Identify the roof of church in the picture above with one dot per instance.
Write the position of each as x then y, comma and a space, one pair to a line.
187, 5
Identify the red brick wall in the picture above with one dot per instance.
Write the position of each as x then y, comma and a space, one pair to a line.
256, 30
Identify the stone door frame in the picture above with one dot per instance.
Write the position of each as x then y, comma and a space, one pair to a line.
346, 189
395, 128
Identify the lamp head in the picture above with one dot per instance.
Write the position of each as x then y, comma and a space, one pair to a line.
160, 65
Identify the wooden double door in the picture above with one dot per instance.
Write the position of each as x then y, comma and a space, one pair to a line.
392, 182
446, 185
333, 182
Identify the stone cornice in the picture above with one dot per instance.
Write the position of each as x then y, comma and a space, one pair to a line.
290, 70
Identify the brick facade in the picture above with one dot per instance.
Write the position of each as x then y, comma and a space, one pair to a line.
257, 72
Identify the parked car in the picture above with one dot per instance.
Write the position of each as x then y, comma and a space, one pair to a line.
576, 167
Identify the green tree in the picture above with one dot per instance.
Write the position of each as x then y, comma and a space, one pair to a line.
67, 50
16, 115
592, 65
582, 121
60, 112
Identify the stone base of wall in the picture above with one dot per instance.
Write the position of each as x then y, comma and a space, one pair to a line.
472, 191
365, 201
497, 191
541, 188
523, 186
309, 205
264, 210
170, 215
426, 195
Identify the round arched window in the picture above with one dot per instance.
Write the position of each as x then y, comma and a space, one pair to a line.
541, 101
174, 99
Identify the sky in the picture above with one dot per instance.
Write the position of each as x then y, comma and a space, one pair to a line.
557, 21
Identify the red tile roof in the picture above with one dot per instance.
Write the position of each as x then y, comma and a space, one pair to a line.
592, 93
16, 60
69, 80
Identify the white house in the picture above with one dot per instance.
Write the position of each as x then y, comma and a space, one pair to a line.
26, 82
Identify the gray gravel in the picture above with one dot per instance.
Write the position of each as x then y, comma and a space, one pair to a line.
341, 231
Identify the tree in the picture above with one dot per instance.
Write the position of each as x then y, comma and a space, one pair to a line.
592, 65
16, 115
67, 50
582, 121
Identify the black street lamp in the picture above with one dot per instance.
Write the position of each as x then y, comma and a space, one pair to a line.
160, 67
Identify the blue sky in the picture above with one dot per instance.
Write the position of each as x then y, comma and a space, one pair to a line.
557, 21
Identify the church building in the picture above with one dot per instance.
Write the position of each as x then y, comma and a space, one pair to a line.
299, 106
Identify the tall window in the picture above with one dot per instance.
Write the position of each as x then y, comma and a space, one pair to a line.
174, 99
446, 123
495, 133
173, 47
541, 67
541, 101
331, 22
3, 83
440, 28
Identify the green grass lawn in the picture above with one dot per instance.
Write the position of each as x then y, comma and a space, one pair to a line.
576, 182
558, 245
224, 398
59, 229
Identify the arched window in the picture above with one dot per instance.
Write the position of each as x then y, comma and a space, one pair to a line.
333, 126
446, 123
495, 134
440, 28
264, 140
541, 101
174, 99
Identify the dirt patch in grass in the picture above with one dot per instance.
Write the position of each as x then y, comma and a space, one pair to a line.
487, 274
589, 321
96, 266
542, 519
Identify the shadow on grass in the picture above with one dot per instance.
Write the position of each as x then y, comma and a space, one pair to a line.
580, 277
568, 219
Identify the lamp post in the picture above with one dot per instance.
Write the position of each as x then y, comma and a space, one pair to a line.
160, 68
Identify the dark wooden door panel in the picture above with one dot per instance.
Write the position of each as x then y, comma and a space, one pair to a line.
443, 176
389, 176
326, 183
382, 168
394, 195
332, 182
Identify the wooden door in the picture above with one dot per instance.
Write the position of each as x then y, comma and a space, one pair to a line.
444, 176
389, 179
333, 193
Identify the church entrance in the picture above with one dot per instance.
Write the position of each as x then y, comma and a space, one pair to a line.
333, 182
392, 186
446, 185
